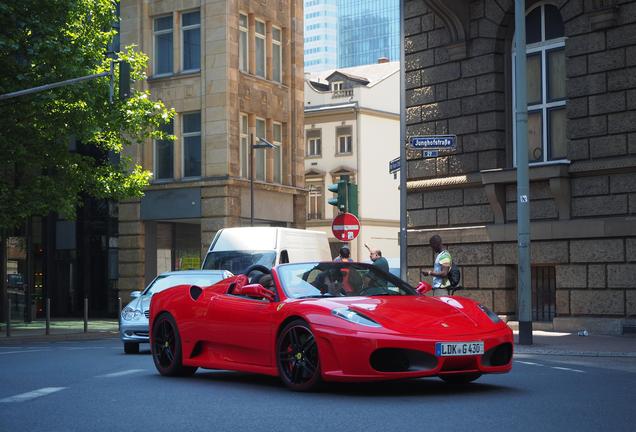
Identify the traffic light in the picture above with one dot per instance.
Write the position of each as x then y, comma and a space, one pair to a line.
346, 199
339, 201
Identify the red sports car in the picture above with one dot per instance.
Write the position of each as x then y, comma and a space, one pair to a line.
325, 321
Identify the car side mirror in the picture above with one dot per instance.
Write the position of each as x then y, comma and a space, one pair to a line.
135, 294
423, 287
254, 291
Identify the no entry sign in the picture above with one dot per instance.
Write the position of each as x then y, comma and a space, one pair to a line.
345, 227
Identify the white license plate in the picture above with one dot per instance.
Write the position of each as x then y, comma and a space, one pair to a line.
447, 349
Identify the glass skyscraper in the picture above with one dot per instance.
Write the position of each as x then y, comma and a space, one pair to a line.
321, 31
346, 33
368, 30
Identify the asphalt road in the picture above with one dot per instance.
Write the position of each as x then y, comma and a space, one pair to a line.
93, 386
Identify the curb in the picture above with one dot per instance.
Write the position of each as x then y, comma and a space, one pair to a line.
572, 353
22, 339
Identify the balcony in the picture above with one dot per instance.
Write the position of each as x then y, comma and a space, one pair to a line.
335, 94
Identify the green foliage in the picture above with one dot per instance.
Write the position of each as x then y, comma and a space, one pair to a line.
40, 172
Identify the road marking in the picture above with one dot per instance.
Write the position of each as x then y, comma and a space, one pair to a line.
122, 373
529, 363
81, 348
24, 351
32, 394
567, 369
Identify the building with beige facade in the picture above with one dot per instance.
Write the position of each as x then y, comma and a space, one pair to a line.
352, 127
233, 72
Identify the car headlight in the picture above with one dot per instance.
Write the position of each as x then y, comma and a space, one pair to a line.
130, 314
493, 316
354, 317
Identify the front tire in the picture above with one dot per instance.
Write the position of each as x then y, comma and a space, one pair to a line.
131, 348
297, 357
166, 348
458, 379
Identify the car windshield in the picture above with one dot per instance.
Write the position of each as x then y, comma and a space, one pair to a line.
166, 281
238, 261
339, 280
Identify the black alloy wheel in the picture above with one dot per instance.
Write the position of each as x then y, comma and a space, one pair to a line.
166, 348
297, 357
458, 379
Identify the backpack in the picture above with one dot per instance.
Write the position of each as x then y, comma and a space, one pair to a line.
454, 275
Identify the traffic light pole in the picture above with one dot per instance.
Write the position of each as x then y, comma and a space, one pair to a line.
403, 164
524, 293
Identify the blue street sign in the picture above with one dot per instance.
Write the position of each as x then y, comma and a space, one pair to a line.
433, 142
430, 153
394, 165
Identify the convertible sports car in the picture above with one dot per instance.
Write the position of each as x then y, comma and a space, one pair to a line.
325, 321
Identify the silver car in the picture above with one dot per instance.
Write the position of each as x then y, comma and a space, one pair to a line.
133, 320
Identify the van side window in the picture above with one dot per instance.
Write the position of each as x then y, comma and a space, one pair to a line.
284, 257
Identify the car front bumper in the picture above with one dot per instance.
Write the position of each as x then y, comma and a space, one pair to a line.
134, 331
348, 356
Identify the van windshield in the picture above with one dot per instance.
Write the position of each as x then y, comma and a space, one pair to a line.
238, 261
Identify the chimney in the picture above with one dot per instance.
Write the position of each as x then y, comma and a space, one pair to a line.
383, 60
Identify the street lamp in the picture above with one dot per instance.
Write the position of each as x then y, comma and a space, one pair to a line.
261, 143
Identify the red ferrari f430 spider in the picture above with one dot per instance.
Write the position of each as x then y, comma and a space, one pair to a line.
325, 321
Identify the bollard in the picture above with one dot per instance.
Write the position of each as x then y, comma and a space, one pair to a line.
9, 317
48, 317
85, 314
119, 313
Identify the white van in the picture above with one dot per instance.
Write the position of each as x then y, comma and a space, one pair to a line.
236, 249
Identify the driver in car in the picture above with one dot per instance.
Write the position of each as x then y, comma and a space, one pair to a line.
330, 281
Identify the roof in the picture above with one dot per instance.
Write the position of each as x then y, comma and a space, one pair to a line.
373, 73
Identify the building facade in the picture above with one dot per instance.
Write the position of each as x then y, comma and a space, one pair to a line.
233, 73
352, 128
582, 148
321, 35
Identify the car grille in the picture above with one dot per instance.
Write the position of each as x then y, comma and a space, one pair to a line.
147, 313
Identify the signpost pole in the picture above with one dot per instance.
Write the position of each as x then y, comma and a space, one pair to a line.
403, 164
524, 293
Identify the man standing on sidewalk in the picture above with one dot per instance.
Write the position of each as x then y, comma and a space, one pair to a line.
443, 263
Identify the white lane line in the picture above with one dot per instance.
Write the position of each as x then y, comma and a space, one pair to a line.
82, 348
529, 363
32, 394
567, 369
24, 351
118, 374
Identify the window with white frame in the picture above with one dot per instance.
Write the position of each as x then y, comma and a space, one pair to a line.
243, 43
191, 133
245, 147
277, 54
337, 85
191, 40
277, 151
163, 45
343, 138
315, 200
259, 154
314, 142
545, 51
164, 155
259, 44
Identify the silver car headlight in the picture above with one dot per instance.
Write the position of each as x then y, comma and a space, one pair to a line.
354, 317
493, 316
130, 314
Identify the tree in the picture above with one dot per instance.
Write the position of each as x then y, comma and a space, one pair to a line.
54, 144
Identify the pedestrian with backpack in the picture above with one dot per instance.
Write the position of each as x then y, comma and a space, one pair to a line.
441, 267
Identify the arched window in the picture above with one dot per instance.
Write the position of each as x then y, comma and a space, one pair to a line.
545, 50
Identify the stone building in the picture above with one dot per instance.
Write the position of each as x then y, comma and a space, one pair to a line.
233, 71
582, 147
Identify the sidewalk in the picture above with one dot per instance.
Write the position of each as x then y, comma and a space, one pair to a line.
570, 344
60, 330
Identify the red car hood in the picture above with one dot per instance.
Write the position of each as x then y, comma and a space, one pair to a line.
414, 315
